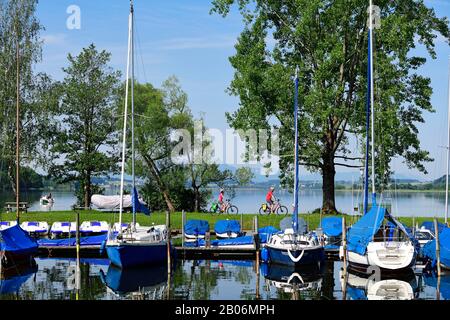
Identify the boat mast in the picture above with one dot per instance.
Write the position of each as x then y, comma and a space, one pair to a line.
370, 113
132, 113
372, 101
17, 124
448, 152
124, 138
295, 215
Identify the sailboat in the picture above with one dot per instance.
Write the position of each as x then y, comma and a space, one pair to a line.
136, 245
294, 246
16, 246
371, 242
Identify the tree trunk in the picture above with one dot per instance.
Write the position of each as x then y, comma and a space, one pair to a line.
197, 200
328, 175
155, 173
87, 191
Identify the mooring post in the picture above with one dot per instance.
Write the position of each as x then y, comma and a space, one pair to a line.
242, 221
414, 226
256, 239
169, 262
208, 239
77, 235
183, 223
344, 245
438, 250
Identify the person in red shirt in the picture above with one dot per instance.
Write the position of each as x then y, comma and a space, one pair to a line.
220, 200
270, 198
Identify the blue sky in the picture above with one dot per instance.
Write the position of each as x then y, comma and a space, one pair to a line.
179, 37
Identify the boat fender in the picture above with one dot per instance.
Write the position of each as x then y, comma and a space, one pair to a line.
103, 247
265, 255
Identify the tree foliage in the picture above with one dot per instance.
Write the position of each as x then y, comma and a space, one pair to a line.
85, 140
20, 46
327, 39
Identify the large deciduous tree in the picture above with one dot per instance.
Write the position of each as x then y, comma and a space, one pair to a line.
84, 144
20, 51
327, 39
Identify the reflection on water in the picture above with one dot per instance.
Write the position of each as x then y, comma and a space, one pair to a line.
95, 279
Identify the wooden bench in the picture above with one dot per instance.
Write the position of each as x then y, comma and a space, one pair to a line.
11, 206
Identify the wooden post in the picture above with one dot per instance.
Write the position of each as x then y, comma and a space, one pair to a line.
208, 239
169, 262
183, 223
256, 240
414, 226
344, 245
438, 250
242, 221
77, 234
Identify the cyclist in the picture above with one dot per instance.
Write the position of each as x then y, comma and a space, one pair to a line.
220, 200
270, 198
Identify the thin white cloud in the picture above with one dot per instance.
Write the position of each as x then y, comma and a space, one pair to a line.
54, 39
198, 43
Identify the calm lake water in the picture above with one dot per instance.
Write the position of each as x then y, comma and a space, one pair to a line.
57, 279
427, 204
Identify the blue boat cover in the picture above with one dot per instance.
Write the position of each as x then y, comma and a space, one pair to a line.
429, 249
429, 225
196, 227
269, 230
362, 232
16, 240
72, 242
226, 226
137, 205
356, 293
12, 285
245, 240
332, 226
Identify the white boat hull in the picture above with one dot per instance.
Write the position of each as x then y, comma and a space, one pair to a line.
393, 256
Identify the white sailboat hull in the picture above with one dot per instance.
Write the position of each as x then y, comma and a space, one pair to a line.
384, 255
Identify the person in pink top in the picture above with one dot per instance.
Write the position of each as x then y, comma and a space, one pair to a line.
220, 200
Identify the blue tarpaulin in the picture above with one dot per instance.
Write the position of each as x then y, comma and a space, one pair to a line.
332, 226
72, 242
363, 231
429, 249
429, 225
196, 227
137, 205
16, 241
239, 241
227, 226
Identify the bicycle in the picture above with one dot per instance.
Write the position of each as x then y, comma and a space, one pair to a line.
227, 207
278, 209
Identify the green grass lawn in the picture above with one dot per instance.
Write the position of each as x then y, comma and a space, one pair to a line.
313, 220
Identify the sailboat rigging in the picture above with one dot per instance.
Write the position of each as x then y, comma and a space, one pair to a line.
368, 241
134, 246
294, 246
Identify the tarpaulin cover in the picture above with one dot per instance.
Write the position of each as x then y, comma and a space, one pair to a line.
266, 232
245, 240
226, 226
429, 225
332, 226
196, 227
139, 205
429, 249
17, 241
113, 202
71, 242
362, 232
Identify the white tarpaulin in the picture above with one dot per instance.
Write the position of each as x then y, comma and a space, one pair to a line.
112, 202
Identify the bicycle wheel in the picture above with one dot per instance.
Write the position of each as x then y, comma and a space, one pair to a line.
233, 210
264, 212
282, 210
